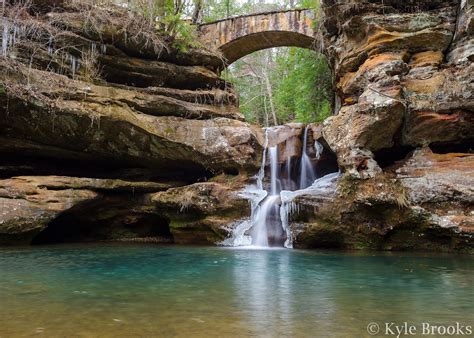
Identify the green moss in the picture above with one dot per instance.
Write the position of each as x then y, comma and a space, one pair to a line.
348, 185
174, 224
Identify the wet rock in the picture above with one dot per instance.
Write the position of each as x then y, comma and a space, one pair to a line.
422, 203
201, 212
288, 139
26, 208
46, 209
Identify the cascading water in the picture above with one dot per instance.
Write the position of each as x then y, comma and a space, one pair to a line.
266, 228
307, 175
274, 177
262, 233
268, 225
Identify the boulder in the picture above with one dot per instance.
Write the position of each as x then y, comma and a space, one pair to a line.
201, 212
115, 124
26, 208
425, 202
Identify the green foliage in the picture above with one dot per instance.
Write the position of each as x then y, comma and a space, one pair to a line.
184, 34
303, 91
274, 86
300, 80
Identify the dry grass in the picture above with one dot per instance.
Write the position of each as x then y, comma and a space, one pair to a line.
133, 26
90, 68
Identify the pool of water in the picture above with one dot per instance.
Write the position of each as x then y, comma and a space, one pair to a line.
112, 290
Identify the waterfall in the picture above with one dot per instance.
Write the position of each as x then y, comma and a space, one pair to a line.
274, 177
261, 227
261, 172
307, 175
271, 208
266, 228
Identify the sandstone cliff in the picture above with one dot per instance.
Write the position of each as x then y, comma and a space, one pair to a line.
403, 129
94, 96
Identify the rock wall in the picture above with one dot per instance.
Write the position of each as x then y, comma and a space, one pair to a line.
404, 132
403, 74
98, 111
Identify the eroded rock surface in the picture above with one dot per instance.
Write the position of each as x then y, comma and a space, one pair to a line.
423, 203
154, 148
201, 212
49, 209
403, 72
100, 112
81, 87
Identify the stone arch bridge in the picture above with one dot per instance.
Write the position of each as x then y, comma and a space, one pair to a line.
239, 36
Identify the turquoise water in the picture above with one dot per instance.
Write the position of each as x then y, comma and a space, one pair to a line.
146, 290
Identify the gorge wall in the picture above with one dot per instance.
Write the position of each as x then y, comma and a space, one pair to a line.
403, 130
98, 112
155, 148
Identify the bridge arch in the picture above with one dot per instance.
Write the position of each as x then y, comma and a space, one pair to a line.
240, 36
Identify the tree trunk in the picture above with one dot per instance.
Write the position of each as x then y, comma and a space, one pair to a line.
270, 95
197, 12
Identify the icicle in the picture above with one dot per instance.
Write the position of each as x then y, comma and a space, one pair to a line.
318, 147
50, 45
238, 237
5, 36
75, 64
307, 175
287, 208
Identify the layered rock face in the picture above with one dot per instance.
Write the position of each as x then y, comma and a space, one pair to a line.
403, 74
97, 112
404, 131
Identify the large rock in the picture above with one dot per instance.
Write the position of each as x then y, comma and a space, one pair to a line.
98, 122
438, 178
43, 209
423, 203
403, 72
202, 212
26, 209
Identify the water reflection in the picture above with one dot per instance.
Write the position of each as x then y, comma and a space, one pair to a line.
115, 290
270, 293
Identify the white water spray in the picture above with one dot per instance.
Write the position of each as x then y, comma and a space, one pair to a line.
307, 175
274, 170
271, 209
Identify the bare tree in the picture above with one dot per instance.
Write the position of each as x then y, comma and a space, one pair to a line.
197, 12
